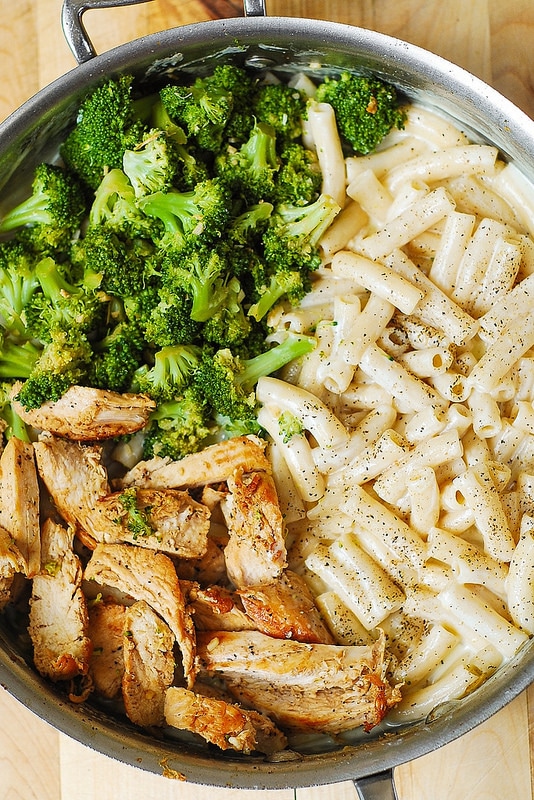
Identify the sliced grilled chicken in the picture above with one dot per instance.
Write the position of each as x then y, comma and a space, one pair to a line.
217, 609
85, 414
59, 622
146, 575
168, 520
223, 724
148, 665
303, 687
76, 479
11, 563
19, 501
214, 464
106, 631
256, 551
285, 609
208, 569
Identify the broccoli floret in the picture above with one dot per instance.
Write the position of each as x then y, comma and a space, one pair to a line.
178, 427
115, 207
250, 171
18, 284
116, 357
228, 326
247, 227
152, 164
108, 124
113, 264
53, 211
366, 109
61, 304
169, 321
292, 237
202, 274
134, 518
291, 285
241, 85
227, 381
200, 214
203, 109
282, 107
172, 372
299, 180
63, 363
13, 425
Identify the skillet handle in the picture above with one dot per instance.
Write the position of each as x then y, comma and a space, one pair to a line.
376, 787
74, 30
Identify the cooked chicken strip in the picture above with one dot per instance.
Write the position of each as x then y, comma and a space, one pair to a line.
208, 569
217, 609
303, 687
223, 724
285, 609
148, 665
174, 523
19, 501
87, 414
149, 576
106, 631
11, 563
214, 464
58, 611
256, 551
74, 475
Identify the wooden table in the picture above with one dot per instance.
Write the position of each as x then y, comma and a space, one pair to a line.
493, 39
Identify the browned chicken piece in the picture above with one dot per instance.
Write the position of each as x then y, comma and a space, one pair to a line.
19, 501
223, 724
256, 551
76, 479
11, 563
215, 464
146, 575
59, 621
148, 665
85, 414
106, 631
175, 523
217, 609
303, 687
285, 609
208, 569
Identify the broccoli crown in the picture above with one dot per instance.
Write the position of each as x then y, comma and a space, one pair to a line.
299, 179
250, 171
63, 362
178, 427
241, 85
288, 284
116, 357
170, 374
202, 275
53, 211
200, 214
203, 109
282, 107
247, 227
133, 517
152, 164
227, 381
115, 206
169, 321
107, 125
18, 284
366, 109
229, 325
60, 304
116, 265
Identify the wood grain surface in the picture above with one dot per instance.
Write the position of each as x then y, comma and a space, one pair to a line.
493, 39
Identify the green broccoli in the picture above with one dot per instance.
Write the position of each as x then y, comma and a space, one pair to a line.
108, 124
152, 164
250, 171
64, 362
18, 284
291, 285
13, 425
228, 326
172, 372
282, 107
202, 109
17, 358
116, 358
200, 214
247, 227
366, 109
240, 84
134, 518
111, 263
299, 180
227, 381
202, 275
169, 321
53, 212
178, 427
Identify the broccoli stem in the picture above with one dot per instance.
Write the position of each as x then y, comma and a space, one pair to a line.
260, 148
311, 221
34, 210
294, 346
177, 210
53, 284
18, 360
